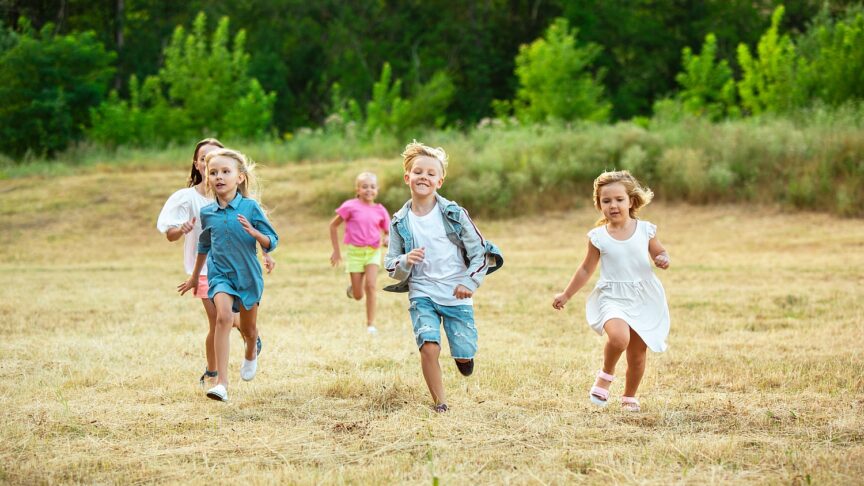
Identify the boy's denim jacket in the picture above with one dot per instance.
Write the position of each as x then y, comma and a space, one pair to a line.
481, 255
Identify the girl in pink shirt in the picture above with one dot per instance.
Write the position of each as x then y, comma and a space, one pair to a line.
365, 223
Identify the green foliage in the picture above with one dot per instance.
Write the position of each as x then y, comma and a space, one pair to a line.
387, 112
768, 82
832, 58
554, 81
203, 89
47, 84
707, 87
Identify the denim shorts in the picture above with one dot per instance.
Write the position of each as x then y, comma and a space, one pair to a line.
426, 317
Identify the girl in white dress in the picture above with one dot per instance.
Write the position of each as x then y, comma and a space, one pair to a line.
628, 301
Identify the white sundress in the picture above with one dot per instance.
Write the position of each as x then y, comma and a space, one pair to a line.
627, 288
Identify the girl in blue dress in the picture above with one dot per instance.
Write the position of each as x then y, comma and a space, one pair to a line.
231, 228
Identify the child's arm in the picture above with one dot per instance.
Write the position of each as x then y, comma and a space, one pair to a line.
260, 229
192, 283
269, 262
475, 252
336, 257
579, 278
658, 253
397, 263
174, 233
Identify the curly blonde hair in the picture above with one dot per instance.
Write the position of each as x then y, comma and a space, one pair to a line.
639, 196
245, 166
416, 149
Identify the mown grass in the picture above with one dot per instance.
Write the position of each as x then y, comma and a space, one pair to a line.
100, 358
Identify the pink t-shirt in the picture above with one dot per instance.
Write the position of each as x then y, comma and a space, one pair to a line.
363, 222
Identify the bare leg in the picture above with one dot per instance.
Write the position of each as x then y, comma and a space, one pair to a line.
356, 285
636, 356
210, 309
369, 287
221, 342
249, 328
429, 353
618, 337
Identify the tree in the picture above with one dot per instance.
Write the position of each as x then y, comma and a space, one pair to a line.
203, 89
707, 87
48, 83
768, 81
554, 81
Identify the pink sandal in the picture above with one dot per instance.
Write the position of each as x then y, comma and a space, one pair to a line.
600, 396
630, 404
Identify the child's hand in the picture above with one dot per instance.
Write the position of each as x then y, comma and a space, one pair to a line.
188, 285
269, 262
247, 226
188, 226
662, 261
415, 256
560, 300
335, 258
462, 292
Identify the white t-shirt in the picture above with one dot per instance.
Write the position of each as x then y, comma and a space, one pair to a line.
443, 266
180, 208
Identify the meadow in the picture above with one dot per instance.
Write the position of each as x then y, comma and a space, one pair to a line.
99, 358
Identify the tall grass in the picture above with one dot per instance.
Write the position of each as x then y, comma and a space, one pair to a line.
811, 160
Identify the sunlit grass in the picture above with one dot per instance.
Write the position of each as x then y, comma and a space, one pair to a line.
100, 359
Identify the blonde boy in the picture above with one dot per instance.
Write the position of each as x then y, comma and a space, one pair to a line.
440, 258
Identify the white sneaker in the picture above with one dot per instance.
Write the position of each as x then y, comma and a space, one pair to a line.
372, 330
218, 392
249, 368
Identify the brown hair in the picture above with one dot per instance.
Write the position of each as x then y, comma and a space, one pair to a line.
195, 176
639, 196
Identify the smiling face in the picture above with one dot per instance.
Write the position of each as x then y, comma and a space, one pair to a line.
425, 177
615, 203
367, 189
224, 177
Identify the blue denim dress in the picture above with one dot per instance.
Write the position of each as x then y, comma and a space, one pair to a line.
232, 262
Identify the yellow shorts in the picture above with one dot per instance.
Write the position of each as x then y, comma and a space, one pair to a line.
360, 256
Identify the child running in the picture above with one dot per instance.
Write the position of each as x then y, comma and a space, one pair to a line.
364, 222
231, 228
628, 301
179, 217
440, 258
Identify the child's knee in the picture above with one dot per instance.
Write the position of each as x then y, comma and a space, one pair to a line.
430, 349
618, 342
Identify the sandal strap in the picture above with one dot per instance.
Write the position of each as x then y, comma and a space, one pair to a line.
601, 393
208, 374
630, 400
605, 376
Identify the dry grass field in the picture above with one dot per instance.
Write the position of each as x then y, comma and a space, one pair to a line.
99, 358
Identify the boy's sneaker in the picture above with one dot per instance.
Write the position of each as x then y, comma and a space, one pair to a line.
372, 330
350, 292
465, 368
441, 408
218, 393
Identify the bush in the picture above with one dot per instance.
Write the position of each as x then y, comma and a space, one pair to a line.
47, 84
554, 81
202, 90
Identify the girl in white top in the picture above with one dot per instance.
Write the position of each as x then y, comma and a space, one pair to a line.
179, 217
628, 301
